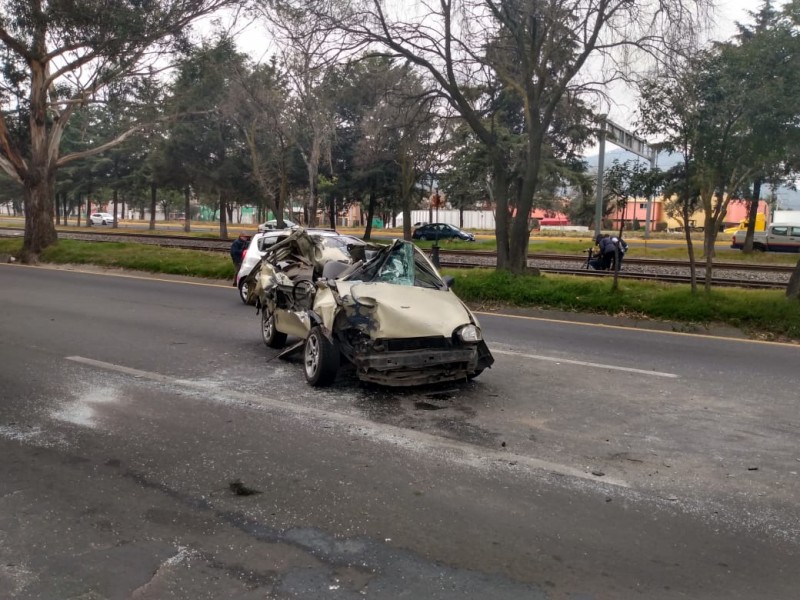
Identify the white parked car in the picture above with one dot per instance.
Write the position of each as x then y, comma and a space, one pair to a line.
335, 246
273, 224
101, 218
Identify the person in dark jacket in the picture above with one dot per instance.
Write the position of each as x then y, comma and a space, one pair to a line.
610, 248
621, 248
238, 247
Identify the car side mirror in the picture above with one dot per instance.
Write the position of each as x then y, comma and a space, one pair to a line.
449, 281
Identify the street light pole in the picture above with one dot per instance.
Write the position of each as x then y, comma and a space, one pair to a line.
435, 248
650, 199
598, 209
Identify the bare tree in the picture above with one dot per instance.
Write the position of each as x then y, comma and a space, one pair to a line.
259, 104
537, 52
311, 51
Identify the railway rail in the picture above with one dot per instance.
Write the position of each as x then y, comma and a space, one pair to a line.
667, 271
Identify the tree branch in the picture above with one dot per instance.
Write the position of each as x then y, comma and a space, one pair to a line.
15, 45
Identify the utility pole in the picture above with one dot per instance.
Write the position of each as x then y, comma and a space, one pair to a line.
598, 209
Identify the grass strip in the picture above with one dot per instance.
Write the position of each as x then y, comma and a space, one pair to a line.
754, 311
139, 257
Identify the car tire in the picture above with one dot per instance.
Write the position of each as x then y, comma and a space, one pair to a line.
422, 238
269, 333
243, 289
320, 359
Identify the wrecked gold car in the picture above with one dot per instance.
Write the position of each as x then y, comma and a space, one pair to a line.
392, 318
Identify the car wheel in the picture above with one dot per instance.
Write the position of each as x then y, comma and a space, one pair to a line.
270, 334
422, 238
320, 359
243, 289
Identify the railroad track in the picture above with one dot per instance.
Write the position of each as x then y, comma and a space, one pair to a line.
642, 276
644, 262
668, 271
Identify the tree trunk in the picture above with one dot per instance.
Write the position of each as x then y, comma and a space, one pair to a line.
370, 214
40, 231
752, 214
709, 271
518, 245
153, 198
223, 223
520, 227
58, 208
116, 206
502, 216
283, 194
793, 289
689, 247
332, 211
407, 180
187, 209
89, 205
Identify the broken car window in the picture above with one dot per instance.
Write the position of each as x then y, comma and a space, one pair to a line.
402, 263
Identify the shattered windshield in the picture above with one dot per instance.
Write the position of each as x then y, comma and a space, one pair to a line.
402, 263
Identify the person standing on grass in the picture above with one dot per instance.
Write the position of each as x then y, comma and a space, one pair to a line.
238, 247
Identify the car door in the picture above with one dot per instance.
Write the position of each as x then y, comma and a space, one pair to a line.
794, 238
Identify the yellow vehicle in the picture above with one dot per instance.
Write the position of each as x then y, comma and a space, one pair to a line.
761, 224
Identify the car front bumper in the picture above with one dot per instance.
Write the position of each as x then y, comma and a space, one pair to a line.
423, 366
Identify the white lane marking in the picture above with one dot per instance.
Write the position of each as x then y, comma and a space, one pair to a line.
408, 438
583, 363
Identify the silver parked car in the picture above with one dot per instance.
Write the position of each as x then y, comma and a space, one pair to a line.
334, 246
392, 318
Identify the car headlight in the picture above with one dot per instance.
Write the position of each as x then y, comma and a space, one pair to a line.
469, 334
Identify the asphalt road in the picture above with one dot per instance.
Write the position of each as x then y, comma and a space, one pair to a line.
591, 462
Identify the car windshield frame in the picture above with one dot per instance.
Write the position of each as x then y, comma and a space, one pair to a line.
401, 263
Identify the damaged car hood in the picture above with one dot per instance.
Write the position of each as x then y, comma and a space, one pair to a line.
392, 311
